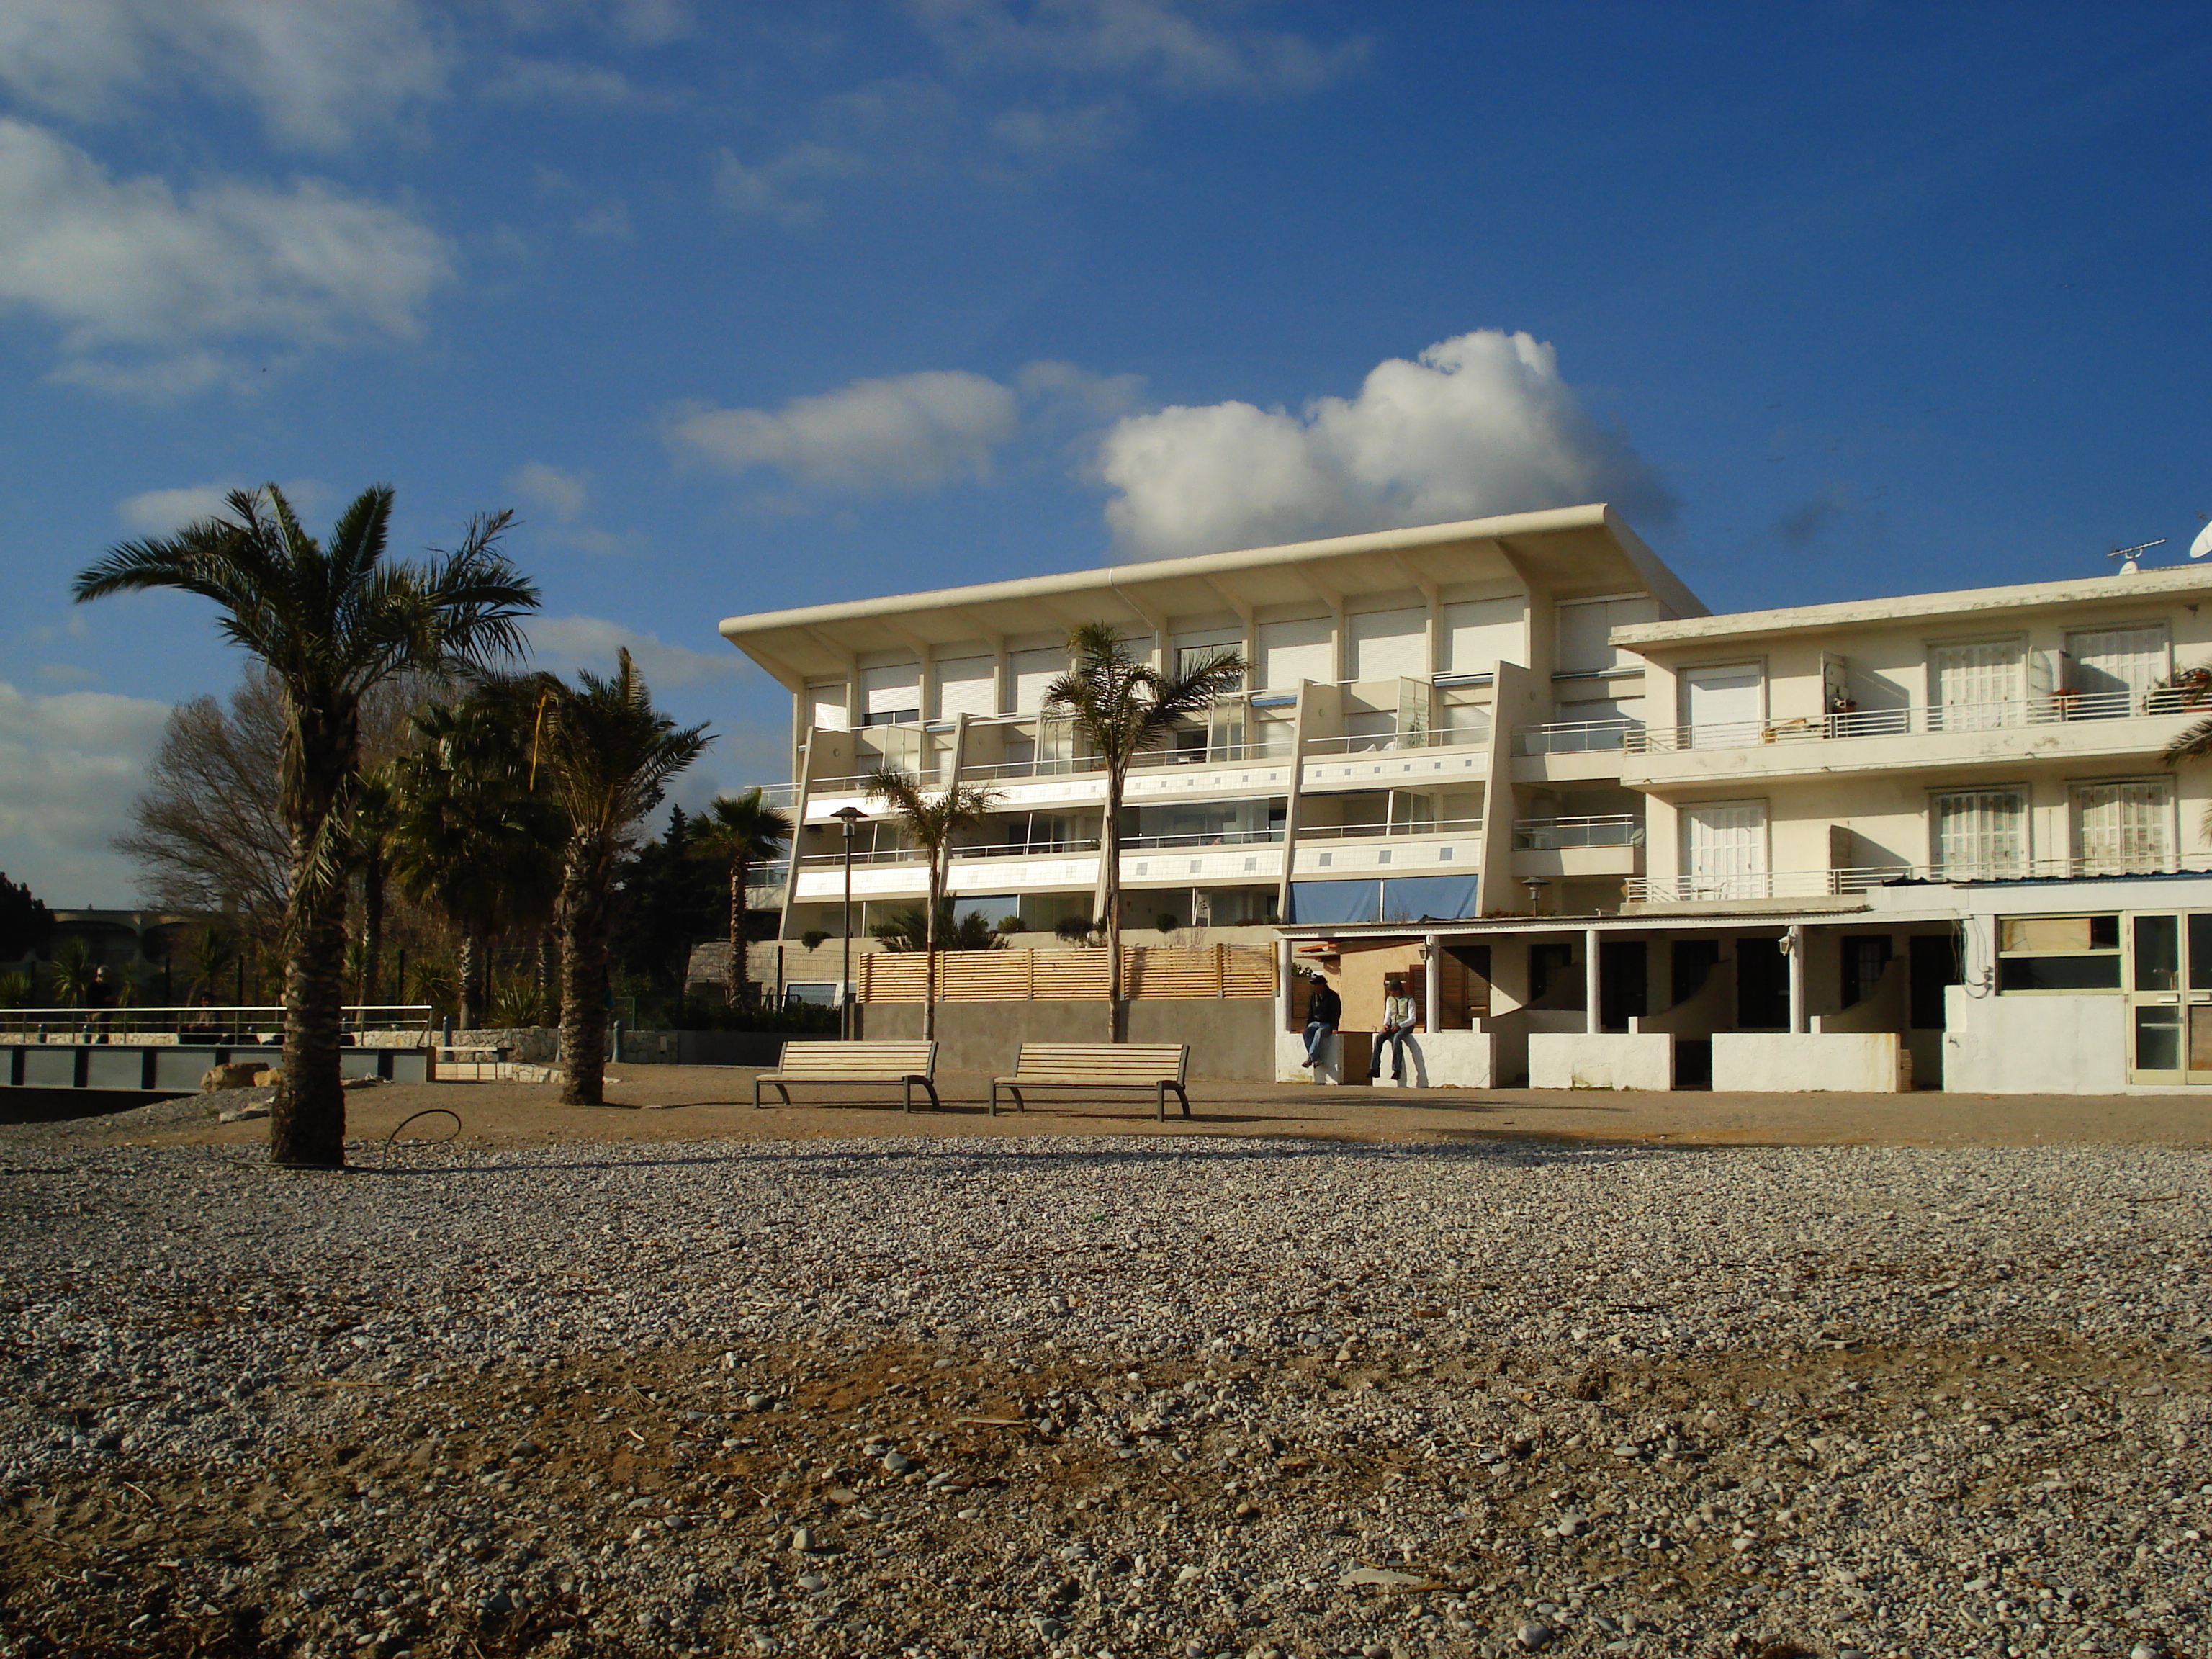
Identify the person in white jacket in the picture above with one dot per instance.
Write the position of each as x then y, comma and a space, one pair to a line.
1397, 1023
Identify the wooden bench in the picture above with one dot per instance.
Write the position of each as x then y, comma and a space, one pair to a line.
1159, 1067
903, 1063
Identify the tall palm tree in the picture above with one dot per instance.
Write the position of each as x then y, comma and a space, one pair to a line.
1121, 709
741, 831
333, 620
608, 756
930, 819
375, 822
472, 839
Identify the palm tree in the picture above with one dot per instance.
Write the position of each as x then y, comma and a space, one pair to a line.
332, 620
929, 821
907, 930
740, 831
608, 756
1121, 709
375, 822
472, 840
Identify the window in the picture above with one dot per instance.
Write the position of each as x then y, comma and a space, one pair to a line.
1724, 706
1724, 849
1866, 959
2123, 827
2058, 953
2113, 667
1980, 834
1976, 685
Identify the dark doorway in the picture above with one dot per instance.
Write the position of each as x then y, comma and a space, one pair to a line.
1866, 959
1933, 959
1762, 986
1622, 987
1693, 965
1553, 980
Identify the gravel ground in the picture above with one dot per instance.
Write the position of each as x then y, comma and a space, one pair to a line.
1087, 1397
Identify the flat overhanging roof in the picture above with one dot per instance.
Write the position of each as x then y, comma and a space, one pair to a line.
1573, 551
1964, 605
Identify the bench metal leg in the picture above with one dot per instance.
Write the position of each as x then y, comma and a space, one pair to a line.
785, 1093
1160, 1102
935, 1104
757, 1106
906, 1094
1183, 1096
994, 1100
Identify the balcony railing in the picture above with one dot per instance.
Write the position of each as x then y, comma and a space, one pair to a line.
1353, 831
1574, 737
1555, 835
1831, 884
1207, 838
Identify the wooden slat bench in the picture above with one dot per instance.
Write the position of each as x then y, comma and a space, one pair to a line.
903, 1063
1159, 1067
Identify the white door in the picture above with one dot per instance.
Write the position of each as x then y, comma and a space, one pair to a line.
1724, 849
2113, 667
1723, 706
2124, 829
1977, 686
1981, 835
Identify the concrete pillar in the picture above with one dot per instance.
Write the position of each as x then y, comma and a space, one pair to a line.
1589, 980
1796, 951
1432, 1016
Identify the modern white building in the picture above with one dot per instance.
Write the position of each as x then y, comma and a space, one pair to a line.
1614, 839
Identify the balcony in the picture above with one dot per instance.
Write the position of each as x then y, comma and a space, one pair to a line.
1754, 886
1565, 848
2067, 727
1566, 751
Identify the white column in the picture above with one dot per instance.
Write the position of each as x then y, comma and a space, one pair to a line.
1432, 1016
1797, 948
1589, 979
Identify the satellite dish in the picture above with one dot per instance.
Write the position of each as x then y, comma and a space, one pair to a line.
2203, 545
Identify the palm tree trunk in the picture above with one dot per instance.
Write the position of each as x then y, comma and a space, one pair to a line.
1109, 851
307, 1119
471, 976
736, 980
549, 978
583, 983
929, 950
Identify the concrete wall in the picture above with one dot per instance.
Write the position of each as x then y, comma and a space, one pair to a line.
1232, 1039
1578, 1060
1434, 1060
2034, 1045
1778, 1063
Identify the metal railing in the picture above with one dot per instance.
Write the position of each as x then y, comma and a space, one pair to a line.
1357, 831
1574, 737
1207, 838
1826, 884
1554, 835
225, 1026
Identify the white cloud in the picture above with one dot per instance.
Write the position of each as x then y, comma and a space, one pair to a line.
1162, 42
1482, 424
316, 72
74, 761
532, 81
904, 433
565, 496
159, 512
562, 494
158, 292
567, 643
903, 127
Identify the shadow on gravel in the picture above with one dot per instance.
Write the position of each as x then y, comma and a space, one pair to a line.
830, 1160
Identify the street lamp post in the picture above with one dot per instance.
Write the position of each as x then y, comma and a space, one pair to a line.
849, 816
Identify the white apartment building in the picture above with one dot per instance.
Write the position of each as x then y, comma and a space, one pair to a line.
1615, 840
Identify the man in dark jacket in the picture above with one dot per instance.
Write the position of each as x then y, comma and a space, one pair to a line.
1323, 1009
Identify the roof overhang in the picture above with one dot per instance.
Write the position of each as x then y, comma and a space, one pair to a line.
1569, 552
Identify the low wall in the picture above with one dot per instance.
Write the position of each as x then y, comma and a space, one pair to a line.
1440, 1060
707, 1048
1231, 1038
1815, 1062
1586, 1060
2039, 1045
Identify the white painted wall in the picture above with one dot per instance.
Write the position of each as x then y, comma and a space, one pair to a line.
1830, 1062
964, 687
2038, 1045
1582, 1060
1479, 633
1388, 643
1292, 651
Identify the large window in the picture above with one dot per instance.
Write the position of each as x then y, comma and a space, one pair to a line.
2123, 827
1980, 834
1976, 685
1724, 849
2058, 953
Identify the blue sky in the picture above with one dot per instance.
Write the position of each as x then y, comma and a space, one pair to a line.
750, 306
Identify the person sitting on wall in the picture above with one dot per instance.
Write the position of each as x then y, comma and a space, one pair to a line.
1323, 1009
100, 1000
1397, 1024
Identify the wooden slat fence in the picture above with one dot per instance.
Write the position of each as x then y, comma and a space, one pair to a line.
1147, 971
